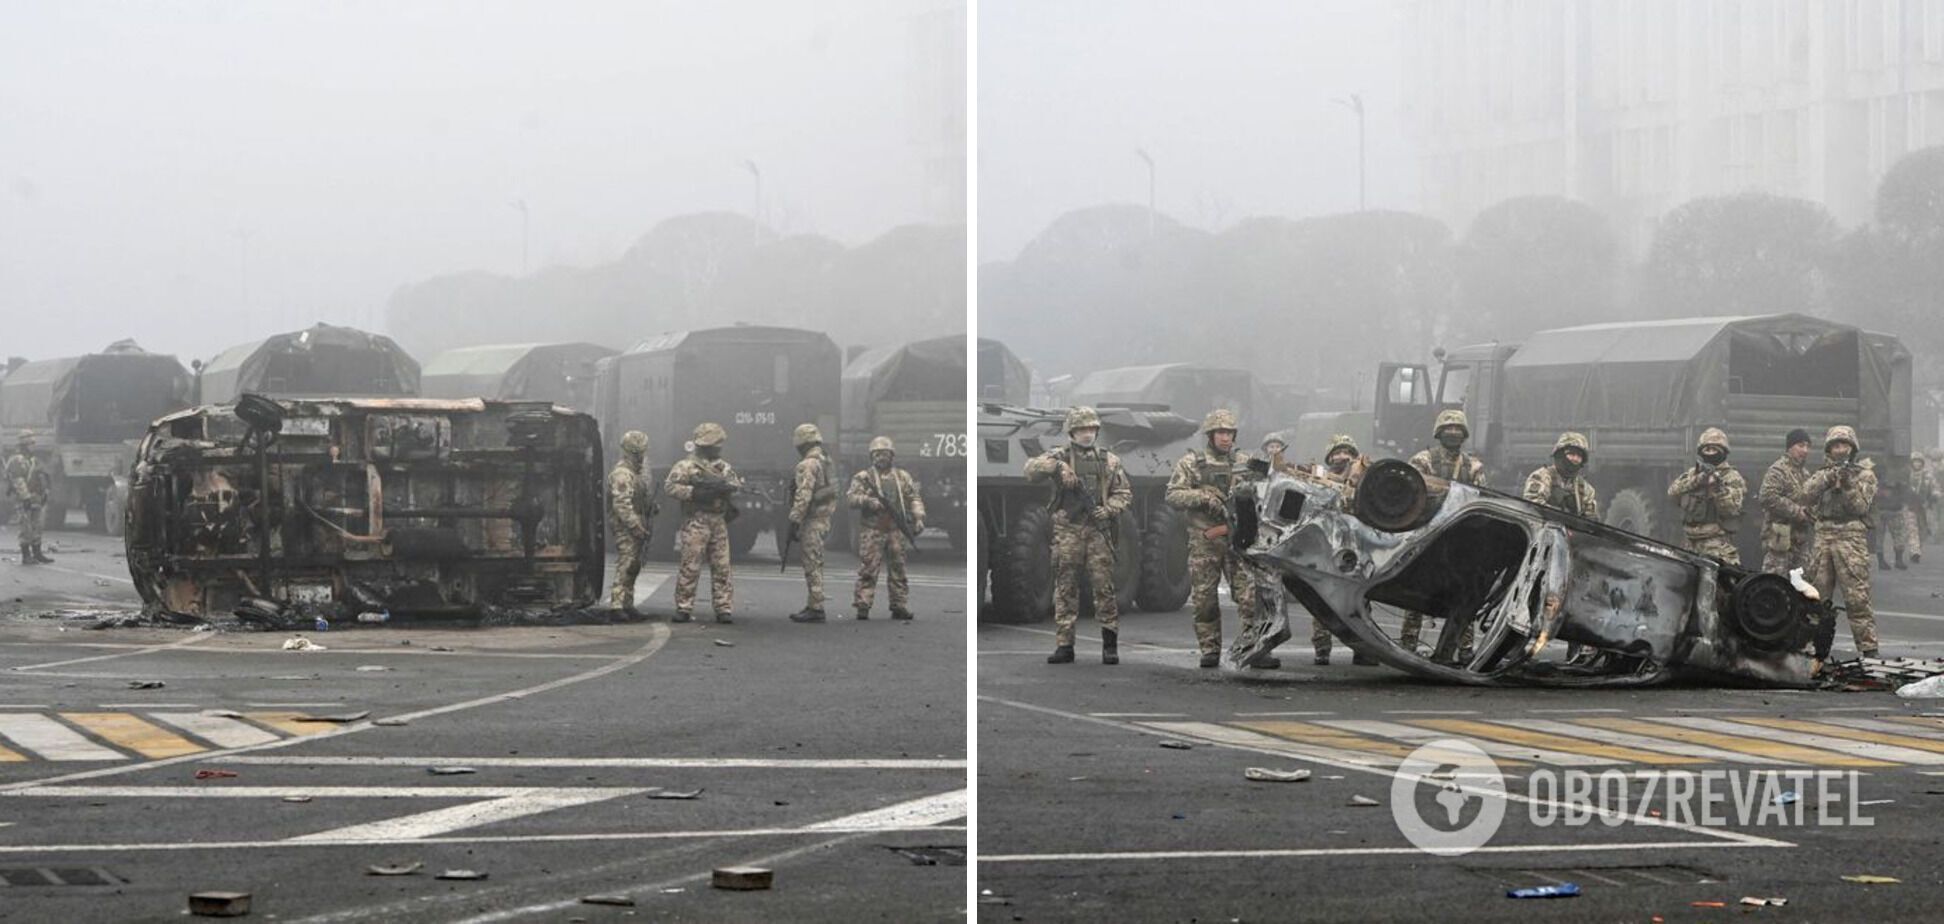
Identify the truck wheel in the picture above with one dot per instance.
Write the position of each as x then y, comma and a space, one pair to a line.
955, 530
1633, 511
1022, 569
117, 508
742, 535
96, 505
1164, 562
1127, 562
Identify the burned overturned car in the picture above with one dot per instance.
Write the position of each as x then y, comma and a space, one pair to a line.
1630, 611
338, 507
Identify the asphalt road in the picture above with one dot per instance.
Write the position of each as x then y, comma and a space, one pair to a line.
1083, 815
832, 754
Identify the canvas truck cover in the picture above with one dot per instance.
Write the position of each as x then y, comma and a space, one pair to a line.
101, 397
559, 372
1184, 388
909, 393
321, 361
1003, 378
414, 506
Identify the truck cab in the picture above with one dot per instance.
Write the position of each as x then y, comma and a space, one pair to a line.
1411, 395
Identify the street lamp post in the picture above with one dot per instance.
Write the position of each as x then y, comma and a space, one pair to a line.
1143, 155
521, 205
1355, 104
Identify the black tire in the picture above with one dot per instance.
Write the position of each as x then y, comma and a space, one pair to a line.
1163, 585
1127, 562
1022, 569
955, 531
743, 533
1635, 512
95, 503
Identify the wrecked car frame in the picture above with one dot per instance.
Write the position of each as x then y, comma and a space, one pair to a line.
1633, 611
342, 506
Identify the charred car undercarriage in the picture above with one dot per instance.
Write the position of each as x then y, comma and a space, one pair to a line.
339, 507
1631, 611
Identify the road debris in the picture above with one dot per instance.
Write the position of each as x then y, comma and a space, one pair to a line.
724, 643
1266, 775
1875, 802
403, 869
216, 774
449, 771
222, 713
1707, 904
372, 668
146, 684
391, 722
618, 900
741, 878
1363, 801
1867, 879
300, 643
1174, 745
674, 891
1764, 902
672, 794
296, 798
1562, 890
1928, 688
1784, 798
338, 719
465, 875
219, 904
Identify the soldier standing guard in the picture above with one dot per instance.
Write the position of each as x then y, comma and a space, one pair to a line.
704, 483
1089, 492
1560, 484
1343, 466
1787, 529
1200, 487
28, 484
1841, 496
1711, 495
1450, 461
885, 494
813, 498
634, 516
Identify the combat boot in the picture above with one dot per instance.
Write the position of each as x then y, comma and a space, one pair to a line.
1916, 557
41, 556
808, 614
1900, 565
27, 555
863, 613
724, 618
1062, 654
681, 616
900, 613
1883, 564
1212, 659
1322, 659
1109, 646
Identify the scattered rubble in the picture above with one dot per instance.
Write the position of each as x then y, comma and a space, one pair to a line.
620, 901
672, 794
216, 774
1266, 775
219, 904
403, 869
464, 875
449, 771
335, 719
1174, 745
1562, 890
300, 643
741, 878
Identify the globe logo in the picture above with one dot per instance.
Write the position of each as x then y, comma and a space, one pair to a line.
1465, 798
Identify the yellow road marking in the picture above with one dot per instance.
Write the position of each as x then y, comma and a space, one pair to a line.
7, 757
132, 733
1554, 742
1787, 752
1325, 736
1923, 720
287, 723
1854, 734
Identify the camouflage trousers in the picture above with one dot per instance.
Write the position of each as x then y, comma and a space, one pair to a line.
1841, 561
1715, 545
704, 535
1413, 630
29, 519
1078, 547
810, 539
1320, 637
628, 552
1900, 532
1209, 562
880, 550
1797, 555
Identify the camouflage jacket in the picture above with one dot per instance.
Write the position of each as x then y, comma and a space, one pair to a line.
1780, 485
628, 498
1840, 496
1112, 487
1923, 485
1709, 508
1548, 488
27, 480
682, 474
1202, 483
898, 488
1461, 466
812, 494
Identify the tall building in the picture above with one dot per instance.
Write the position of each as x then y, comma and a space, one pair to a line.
1635, 106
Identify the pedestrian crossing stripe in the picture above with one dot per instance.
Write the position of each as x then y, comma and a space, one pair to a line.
115, 736
1595, 741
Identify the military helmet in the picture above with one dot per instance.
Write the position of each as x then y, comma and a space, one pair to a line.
709, 434
1276, 437
26, 439
1080, 418
1936, 454
1341, 441
1844, 434
1571, 440
1713, 436
634, 443
1451, 417
806, 434
883, 444
1219, 419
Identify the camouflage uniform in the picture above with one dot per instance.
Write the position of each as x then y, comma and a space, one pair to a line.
1083, 540
1934, 511
880, 544
1923, 493
705, 526
1547, 486
1711, 498
1457, 466
1346, 482
629, 507
1841, 499
1897, 522
1787, 528
28, 484
813, 498
1200, 488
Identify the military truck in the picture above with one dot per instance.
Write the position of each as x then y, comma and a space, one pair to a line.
1189, 389
87, 413
757, 382
1643, 392
1003, 379
563, 373
322, 361
1016, 527
914, 394
281, 509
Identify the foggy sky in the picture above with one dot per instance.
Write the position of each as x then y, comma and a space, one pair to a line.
1231, 99
160, 160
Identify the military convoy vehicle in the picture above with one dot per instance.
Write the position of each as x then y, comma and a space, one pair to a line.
1643, 392
1003, 379
914, 394
1191, 390
87, 412
757, 382
321, 361
563, 373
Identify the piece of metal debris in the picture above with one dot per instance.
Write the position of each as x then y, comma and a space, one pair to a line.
296, 798
438, 648
300, 643
1174, 745
461, 874
219, 904
1867, 879
1764, 902
724, 643
146, 684
1784, 798
337, 719
741, 878
391, 722
372, 668
403, 869
215, 774
1363, 801
449, 771
222, 713
1562, 890
618, 900
1266, 775
672, 794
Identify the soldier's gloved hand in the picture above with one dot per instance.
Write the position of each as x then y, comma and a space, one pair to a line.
1103, 516
640, 533
1068, 478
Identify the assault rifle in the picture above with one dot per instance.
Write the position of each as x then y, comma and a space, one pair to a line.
1080, 503
897, 514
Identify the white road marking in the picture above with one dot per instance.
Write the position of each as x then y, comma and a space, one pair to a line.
1351, 851
916, 813
1430, 712
1270, 744
294, 705
1644, 742
1908, 729
51, 739
25, 706
219, 791
1264, 715
717, 763
1416, 735
493, 839
1139, 715
192, 639
222, 732
148, 706
1865, 749
1926, 617
1571, 711
471, 815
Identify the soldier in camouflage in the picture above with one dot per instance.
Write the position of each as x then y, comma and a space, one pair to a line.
876, 493
633, 515
1200, 487
1447, 460
1841, 496
1895, 522
704, 483
1561, 485
1934, 504
28, 484
1787, 528
1343, 466
1711, 495
1923, 495
813, 498
1083, 538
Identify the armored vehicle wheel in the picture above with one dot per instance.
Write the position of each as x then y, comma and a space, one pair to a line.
1127, 562
1633, 511
743, 533
1163, 585
955, 530
1022, 569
